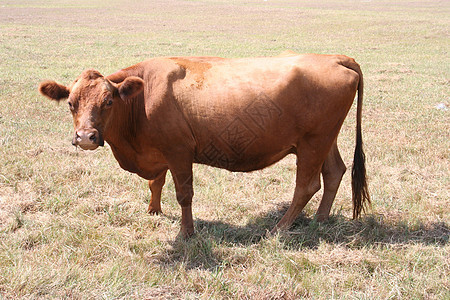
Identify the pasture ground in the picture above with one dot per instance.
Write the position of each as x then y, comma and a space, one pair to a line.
74, 225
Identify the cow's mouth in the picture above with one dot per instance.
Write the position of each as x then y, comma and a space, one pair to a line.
88, 147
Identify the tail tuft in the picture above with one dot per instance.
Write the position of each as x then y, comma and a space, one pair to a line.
360, 191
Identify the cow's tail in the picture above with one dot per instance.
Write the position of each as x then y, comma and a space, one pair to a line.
360, 191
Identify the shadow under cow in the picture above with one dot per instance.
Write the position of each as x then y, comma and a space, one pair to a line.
306, 233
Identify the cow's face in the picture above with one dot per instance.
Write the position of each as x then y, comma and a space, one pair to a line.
92, 100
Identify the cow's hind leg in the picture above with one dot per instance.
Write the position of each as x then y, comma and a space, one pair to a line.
309, 165
332, 171
156, 185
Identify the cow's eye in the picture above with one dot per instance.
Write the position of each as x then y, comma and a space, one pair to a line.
70, 105
108, 102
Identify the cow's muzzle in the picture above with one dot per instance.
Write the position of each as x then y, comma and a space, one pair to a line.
87, 139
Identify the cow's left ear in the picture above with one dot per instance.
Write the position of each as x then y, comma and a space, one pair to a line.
53, 90
130, 87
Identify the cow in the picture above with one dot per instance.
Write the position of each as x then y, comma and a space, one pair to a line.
239, 114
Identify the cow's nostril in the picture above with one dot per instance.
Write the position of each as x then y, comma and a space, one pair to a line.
87, 139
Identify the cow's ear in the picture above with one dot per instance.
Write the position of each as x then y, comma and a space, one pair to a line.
53, 90
130, 87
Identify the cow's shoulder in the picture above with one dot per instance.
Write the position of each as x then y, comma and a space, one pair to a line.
195, 67
161, 69
173, 68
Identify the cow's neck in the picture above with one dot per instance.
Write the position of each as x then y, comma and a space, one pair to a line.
119, 76
122, 135
128, 133
123, 126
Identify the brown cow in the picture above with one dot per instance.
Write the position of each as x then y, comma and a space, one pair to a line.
237, 114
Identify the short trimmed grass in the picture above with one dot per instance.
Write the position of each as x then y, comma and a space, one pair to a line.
73, 224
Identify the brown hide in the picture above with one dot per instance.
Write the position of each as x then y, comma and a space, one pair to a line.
237, 114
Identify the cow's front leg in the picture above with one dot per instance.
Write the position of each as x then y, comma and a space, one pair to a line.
183, 186
156, 185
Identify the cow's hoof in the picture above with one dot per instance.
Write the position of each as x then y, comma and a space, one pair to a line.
186, 234
154, 212
273, 232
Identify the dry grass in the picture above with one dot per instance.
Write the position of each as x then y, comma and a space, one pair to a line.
73, 224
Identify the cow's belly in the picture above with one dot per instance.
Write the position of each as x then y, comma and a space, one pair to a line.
247, 139
245, 156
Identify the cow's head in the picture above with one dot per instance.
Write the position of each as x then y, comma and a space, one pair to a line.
92, 100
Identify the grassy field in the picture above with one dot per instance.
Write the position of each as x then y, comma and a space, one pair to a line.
74, 225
